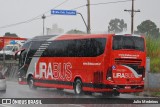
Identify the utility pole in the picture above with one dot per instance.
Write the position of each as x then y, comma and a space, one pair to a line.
88, 17
4, 55
132, 16
43, 17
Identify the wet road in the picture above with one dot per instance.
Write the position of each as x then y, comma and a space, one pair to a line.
14, 90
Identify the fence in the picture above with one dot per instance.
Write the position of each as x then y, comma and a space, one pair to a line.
152, 80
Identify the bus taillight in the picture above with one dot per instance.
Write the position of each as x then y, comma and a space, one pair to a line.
109, 74
143, 74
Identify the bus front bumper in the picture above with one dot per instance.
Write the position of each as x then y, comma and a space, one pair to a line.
110, 88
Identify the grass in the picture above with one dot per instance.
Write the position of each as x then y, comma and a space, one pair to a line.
153, 51
155, 94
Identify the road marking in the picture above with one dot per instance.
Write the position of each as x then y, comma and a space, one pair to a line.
76, 105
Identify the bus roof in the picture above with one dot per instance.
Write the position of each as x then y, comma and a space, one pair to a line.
65, 37
73, 36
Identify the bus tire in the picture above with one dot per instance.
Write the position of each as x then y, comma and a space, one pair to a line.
31, 83
78, 87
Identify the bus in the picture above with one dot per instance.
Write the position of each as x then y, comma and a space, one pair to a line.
102, 63
9, 45
9, 40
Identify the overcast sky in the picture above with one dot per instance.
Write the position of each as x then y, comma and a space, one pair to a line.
15, 11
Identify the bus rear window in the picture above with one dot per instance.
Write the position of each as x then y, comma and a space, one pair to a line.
128, 42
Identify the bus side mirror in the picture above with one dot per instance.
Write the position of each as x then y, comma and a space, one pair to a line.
13, 50
17, 55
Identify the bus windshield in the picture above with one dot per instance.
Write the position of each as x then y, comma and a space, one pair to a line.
128, 42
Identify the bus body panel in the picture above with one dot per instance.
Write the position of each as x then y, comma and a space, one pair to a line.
67, 69
120, 69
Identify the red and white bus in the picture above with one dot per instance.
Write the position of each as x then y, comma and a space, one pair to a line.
7, 40
86, 63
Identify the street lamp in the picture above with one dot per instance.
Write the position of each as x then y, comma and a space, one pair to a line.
83, 21
88, 15
43, 17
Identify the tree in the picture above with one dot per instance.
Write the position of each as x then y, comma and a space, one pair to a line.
74, 31
8, 34
148, 28
117, 26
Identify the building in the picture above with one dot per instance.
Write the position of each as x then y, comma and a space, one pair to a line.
54, 30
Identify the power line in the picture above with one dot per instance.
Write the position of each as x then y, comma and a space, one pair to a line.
54, 8
78, 7
111, 2
102, 4
37, 17
15, 24
32, 19
97, 4
88, 10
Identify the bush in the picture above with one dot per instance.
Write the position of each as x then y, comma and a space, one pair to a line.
153, 51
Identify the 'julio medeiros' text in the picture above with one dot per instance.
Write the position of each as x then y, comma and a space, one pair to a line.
144, 101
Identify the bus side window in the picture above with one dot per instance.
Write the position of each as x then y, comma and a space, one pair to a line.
97, 46
78, 48
117, 41
81, 46
70, 48
93, 49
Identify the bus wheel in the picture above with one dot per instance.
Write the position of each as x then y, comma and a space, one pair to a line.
31, 83
78, 87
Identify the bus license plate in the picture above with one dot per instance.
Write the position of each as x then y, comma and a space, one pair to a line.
127, 87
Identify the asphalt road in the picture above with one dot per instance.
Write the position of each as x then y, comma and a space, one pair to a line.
14, 90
